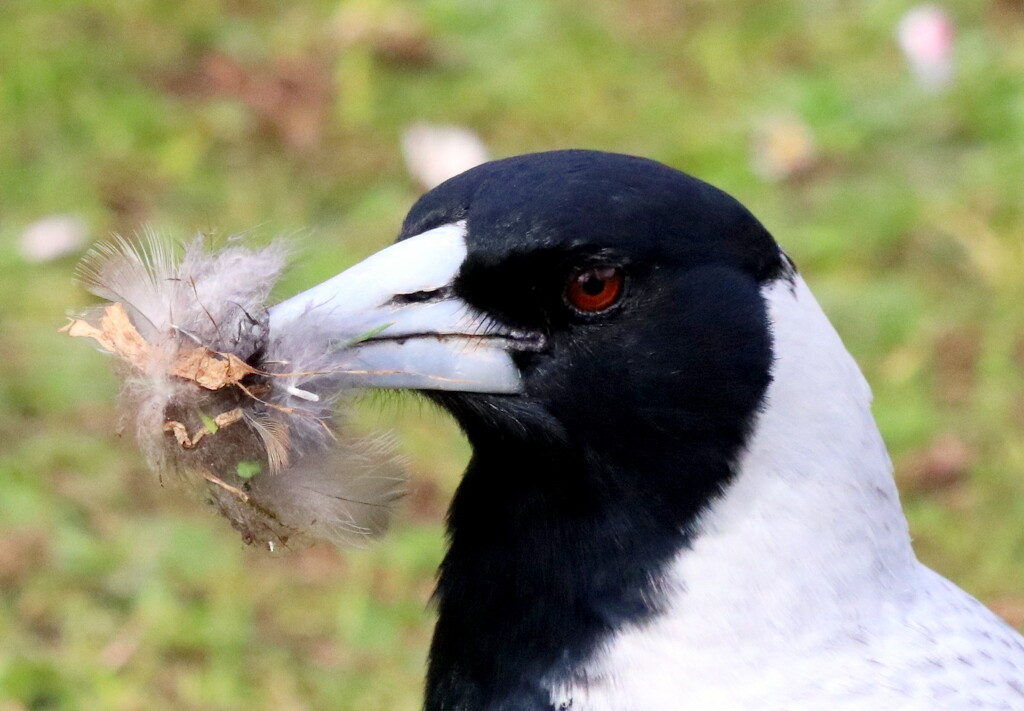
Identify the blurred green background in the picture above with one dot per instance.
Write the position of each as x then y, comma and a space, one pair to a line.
902, 206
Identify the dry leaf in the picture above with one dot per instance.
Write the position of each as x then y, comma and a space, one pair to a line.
211, 369
208, 368
189, 442
1010, 608
943, 464
784, 147
116, 334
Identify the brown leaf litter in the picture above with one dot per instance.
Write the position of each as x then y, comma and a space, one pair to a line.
116, 333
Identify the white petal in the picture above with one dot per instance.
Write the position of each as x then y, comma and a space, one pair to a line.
435, 153
53, 237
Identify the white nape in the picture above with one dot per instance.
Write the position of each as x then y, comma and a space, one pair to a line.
800, 591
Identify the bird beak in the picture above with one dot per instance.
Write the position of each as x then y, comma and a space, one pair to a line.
395, 318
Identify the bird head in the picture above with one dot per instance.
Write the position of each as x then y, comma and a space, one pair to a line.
656, 404
574, 297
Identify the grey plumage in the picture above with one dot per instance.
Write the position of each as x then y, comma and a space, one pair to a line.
221, 403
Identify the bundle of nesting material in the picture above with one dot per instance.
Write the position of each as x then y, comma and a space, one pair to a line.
223, 403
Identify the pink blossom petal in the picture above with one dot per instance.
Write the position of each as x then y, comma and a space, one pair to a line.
926, 35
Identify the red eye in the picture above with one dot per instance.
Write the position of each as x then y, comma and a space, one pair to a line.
594, 289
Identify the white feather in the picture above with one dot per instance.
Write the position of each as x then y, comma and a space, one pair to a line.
280, 473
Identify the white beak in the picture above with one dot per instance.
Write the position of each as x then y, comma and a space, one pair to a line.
396, 323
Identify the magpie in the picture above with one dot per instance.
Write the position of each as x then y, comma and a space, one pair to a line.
677, 496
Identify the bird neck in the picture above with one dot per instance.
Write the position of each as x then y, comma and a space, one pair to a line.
558, 552
806, 545
811, 525
554, 547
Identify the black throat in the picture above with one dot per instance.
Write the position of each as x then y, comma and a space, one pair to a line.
553, 547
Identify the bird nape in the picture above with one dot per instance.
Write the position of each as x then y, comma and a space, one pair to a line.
677, 496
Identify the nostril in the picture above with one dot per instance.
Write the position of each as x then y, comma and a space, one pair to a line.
420, 297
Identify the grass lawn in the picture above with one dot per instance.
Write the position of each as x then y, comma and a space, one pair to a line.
272, 118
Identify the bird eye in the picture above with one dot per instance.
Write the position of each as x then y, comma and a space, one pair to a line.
594, 289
